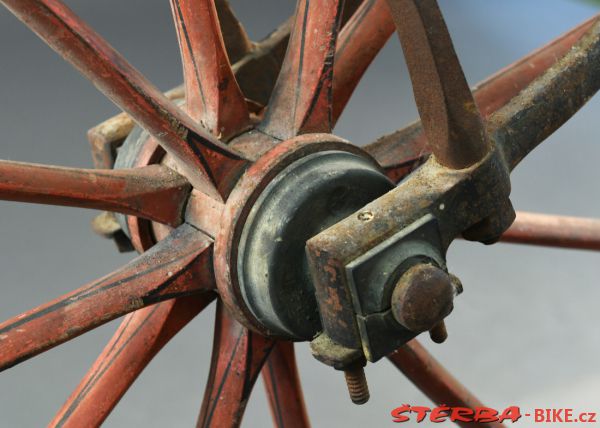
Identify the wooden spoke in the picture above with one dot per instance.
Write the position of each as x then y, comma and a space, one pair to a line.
153, 192
267, 57
213, 96
283, 387
203, 158
359, 42
551, 100
400, 151
139, 338
301, 100
237, 43
554, 231
434, 380
175, 267
450, 117
238, 356
257, 73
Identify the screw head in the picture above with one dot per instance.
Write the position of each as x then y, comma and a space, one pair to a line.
423, 297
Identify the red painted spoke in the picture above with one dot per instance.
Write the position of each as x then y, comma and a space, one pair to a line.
449, 114
213, 96
550, 100
238, 356
175, 267
199, 153
434, 380
301, 100
153, 192
283, 387
554, 231
139, 338
400, 151
237, 42
359, 42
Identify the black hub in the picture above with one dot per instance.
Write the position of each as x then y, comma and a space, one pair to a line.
305, 198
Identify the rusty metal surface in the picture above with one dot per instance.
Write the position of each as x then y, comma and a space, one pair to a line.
402, 151
446, 106
380, 274
551, 100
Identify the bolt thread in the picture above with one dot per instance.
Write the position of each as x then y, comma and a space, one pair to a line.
357, 385
438, 333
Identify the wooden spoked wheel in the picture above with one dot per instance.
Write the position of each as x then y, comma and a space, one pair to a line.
182, 186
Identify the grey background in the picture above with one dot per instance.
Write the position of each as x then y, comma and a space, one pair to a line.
524, 332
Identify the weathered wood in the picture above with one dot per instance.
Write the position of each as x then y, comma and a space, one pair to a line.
213, 96
282, 383
175, 267
237, 358
301, 101
237, 42
141, 335
554, 231
202, 156
153, 192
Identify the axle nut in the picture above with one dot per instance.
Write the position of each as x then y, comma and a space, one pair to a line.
423, 297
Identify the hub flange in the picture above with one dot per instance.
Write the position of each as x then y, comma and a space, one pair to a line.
290, 194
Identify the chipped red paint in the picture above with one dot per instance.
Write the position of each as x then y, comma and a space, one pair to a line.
311, 93
202, 156
141, 335
554, 231
213, 97
237, 359
301, 100
175, 267
153, 192
282, 384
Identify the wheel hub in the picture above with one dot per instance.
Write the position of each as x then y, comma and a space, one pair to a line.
308, 196
290, 194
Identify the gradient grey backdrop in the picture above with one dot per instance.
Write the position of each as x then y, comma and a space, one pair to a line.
524, 332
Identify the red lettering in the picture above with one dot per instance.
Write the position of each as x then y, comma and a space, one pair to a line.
539, 415
421, 412
462, 414
512, 413
556, 415
439, 414
397, 413
486, 415
592, 417
569, 415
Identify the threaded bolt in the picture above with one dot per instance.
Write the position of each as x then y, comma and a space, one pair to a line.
438, 333
357, 384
